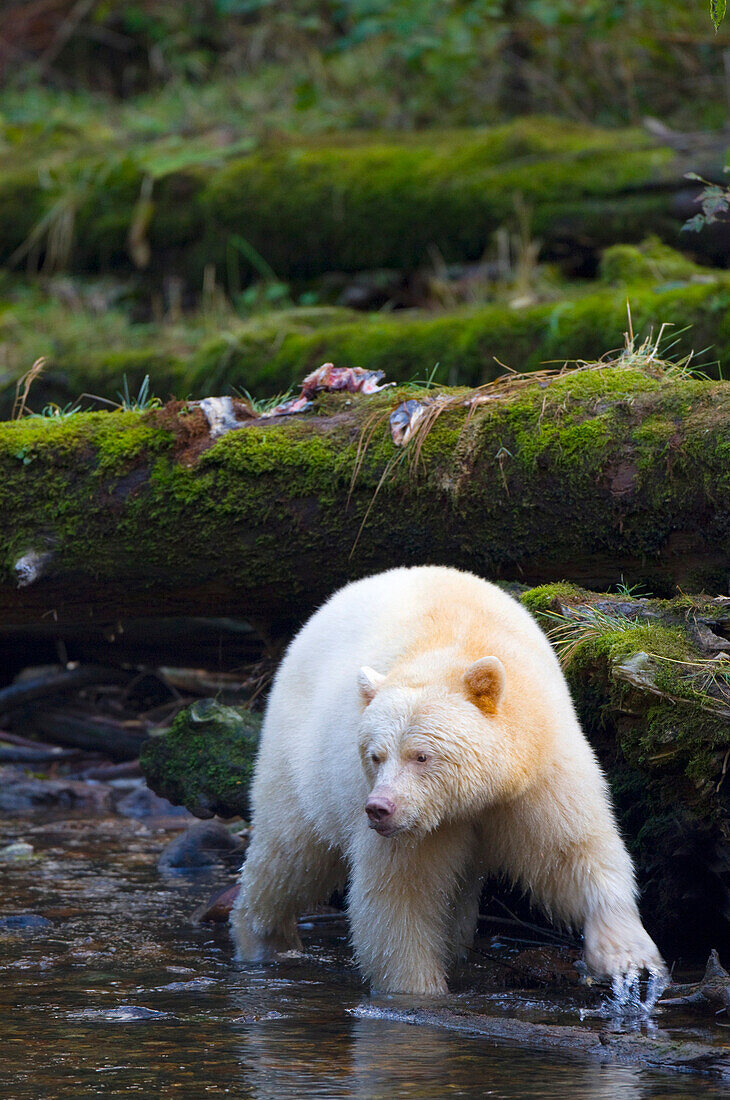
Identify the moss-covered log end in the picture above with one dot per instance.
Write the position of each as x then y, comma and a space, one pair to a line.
205, 760
651, 683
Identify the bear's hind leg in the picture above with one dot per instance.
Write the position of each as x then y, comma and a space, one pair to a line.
465, 916
278, 882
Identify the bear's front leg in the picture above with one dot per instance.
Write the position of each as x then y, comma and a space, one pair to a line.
560, 840
400, 906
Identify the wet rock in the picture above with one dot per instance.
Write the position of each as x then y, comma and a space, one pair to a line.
21, 793
24, 922
124, 1014
205, 760
14, 852
200, 846
187, 987
218, 909
142, 802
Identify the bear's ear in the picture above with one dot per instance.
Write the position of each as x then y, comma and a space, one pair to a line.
485, 680
368, 680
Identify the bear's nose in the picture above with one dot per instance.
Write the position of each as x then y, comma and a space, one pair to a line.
379, 809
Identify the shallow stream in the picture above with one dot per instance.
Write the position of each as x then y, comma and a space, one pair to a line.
107, 988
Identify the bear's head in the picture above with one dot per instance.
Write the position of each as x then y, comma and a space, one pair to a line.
433, 751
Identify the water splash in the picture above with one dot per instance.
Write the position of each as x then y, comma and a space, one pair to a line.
626, 994
625, 1005
658, 981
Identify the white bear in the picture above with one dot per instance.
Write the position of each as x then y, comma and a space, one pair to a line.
419, 736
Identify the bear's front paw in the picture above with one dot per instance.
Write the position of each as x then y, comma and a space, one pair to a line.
616, 944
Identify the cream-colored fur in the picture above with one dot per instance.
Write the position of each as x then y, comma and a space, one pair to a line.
385, 694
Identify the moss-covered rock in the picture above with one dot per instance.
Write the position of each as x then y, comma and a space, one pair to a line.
651, 262
205, 760
651, 682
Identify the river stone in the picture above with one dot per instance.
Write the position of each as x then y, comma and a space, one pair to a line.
142, 802
14, 852
202, 845
24, 922
124, 1014
21, 793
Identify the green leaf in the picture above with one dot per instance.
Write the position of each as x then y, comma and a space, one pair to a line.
717, 11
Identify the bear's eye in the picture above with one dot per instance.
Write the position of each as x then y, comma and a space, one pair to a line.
375, 758
422, 758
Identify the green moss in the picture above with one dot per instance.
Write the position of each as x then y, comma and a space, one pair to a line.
679, 727
449, 192
649, 262
205, 760
655, 639
547, 597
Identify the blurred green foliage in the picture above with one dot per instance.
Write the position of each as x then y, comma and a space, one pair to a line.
401, 63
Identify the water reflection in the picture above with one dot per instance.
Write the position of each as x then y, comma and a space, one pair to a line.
368, 1059
114, 993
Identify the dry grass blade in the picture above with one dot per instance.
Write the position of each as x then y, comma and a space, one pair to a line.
54, 234
387, 470
22, 389
366, 436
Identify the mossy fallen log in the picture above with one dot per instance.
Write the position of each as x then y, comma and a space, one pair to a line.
307, 209
602, 473
268, 353
651, 681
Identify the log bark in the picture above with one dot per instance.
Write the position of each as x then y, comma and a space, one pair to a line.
93, 733
56, 683
602, 475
